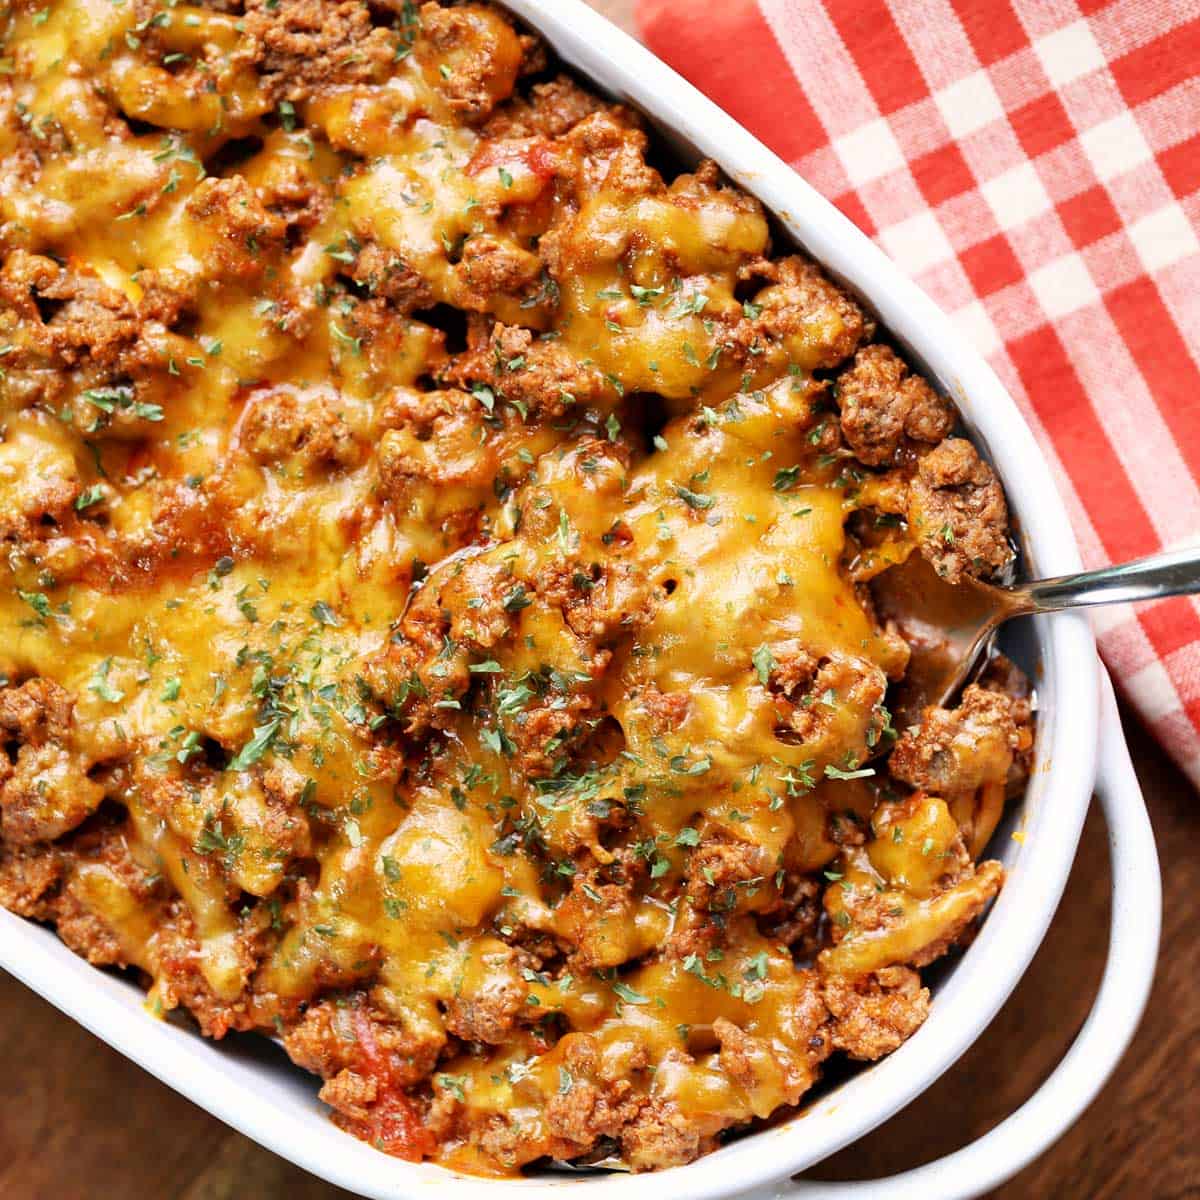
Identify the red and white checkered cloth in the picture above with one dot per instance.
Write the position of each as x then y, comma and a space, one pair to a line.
1035, 166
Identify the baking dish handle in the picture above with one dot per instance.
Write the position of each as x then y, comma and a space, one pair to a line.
1128, 973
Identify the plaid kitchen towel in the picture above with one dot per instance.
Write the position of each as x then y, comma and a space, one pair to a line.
1035, 166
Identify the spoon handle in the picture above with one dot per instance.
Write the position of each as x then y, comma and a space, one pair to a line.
1171, 573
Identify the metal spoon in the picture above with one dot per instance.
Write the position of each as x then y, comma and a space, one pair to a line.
1172, 573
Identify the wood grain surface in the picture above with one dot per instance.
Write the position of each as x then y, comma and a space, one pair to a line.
79, 1122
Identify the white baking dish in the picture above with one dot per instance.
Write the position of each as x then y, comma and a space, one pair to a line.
248, 1083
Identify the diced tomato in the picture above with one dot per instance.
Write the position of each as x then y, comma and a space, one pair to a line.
395, 1127
536, 155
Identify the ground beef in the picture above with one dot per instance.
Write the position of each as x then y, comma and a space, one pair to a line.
485, 1008
957, 512
726, 876
663, 1135
104, 846
182, 982
436, 439
844, 685
384, 273
873, 1016
491, 266
603, 151
351, 1033
597, 1104
477, 57
29, 876
602, 601
547, 728
350, 1093
71, 317
44, 786
882, 405
960, 749
821, 324
597, 919
303, 46
412, 682
550, 110
284, 426
243, 232
796, 920
542, 377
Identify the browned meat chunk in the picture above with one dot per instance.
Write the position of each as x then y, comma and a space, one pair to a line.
818, 323
873, 1016
44, 789
352, 1034
957, 511
28, 877
846, 693
476, 57
663, 1135
960, 749
542, 377
725, 876
384, 273
551, 109
243, 231
492, 266
882, 405
286, 426
485, 1008
302, 46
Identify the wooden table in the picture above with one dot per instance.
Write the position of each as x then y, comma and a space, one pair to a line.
79, 1122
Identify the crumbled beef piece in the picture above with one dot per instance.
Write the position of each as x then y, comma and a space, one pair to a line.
797, 919
289, 190
106, 850
820, 324
550, 110
304, 46
182, 981
243, 232
844, 686
597, 919
727, 876
957, 511
29, 876
882, 405
663, 1135
350, 1093
351, 1033
666, 710
608, 600
542, 376
792, 668
476, 59
873, 1016
72, 317
486, 1006
491, 266
285, 425
546, 729
412, 679
44, 790
596, 1105
608, 153
384, 273
959, 749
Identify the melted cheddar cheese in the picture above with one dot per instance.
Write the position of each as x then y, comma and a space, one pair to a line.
435, 621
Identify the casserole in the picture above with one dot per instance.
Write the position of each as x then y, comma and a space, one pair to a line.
1056, 823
